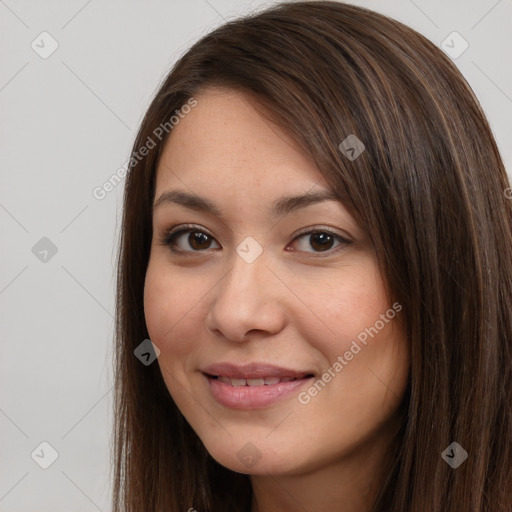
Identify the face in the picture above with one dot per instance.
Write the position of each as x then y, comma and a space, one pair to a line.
277, 340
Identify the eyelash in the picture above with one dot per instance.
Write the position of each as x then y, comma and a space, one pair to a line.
169, 237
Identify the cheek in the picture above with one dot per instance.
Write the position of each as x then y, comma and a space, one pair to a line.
343, 305
169, 310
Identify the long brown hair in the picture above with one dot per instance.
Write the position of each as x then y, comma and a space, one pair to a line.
429, 189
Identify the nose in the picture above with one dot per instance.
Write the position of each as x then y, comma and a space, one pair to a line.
247, 302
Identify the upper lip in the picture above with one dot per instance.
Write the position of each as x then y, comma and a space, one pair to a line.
252, 371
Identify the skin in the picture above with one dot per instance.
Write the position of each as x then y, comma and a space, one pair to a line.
294, 306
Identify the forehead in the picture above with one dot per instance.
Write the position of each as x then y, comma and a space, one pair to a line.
226, 143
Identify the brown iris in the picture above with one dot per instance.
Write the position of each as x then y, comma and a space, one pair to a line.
321, 241
199, 240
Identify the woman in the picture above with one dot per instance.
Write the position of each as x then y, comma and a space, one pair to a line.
317, 241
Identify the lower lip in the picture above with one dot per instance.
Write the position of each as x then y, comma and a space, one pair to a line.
253, 397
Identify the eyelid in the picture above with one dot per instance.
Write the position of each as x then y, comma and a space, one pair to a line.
344, 241
319, 228
169, 235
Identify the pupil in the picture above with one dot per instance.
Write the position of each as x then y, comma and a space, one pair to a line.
321, 241
198, 240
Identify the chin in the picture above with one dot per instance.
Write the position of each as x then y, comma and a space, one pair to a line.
252, 458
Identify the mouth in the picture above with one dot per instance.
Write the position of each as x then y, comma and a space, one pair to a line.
253, 374
256, 382
253, 386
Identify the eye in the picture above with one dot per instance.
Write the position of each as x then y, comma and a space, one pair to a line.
197, 239
321, 240
190, 239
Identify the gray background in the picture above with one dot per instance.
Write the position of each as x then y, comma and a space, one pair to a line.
67, 124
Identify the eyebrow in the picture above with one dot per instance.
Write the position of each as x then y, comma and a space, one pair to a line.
280, 206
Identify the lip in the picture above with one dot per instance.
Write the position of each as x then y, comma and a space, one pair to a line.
253, 397
252, 371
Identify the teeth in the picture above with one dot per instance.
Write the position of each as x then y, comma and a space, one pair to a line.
267, 381
255, 382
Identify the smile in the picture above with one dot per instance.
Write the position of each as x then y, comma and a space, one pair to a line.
253, 386
267, 381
